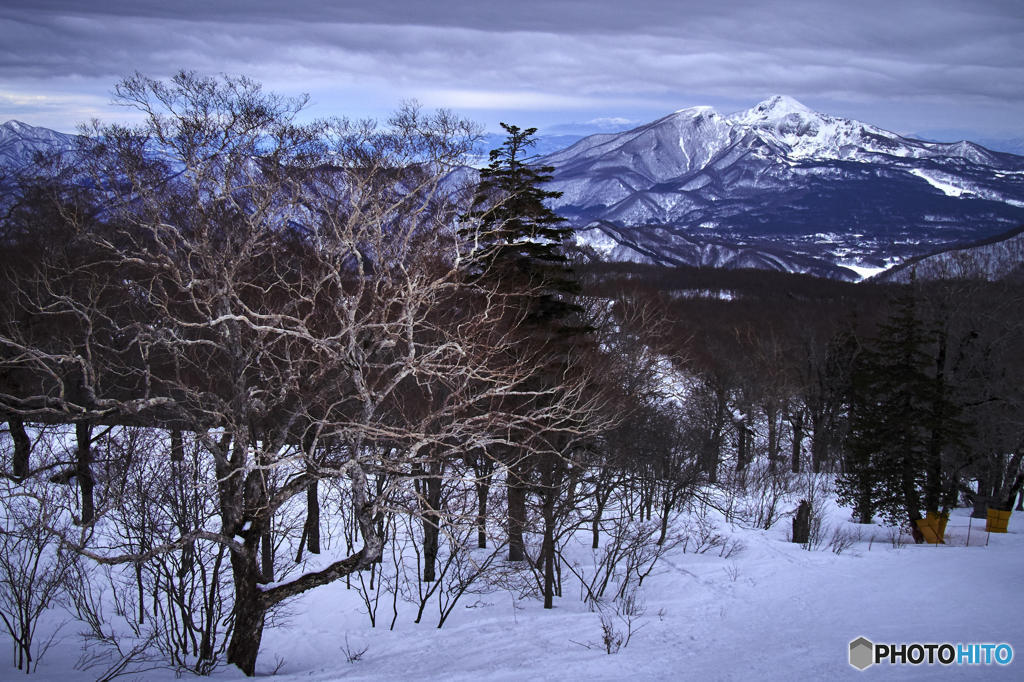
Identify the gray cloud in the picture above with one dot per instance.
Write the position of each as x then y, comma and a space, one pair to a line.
908, 64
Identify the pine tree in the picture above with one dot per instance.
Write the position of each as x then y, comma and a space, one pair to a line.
902, 421
517, 244
516, 237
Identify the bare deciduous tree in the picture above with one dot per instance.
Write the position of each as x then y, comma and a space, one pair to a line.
290, 296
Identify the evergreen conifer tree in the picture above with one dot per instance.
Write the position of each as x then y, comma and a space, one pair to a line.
517, 241
517, 238
902, 421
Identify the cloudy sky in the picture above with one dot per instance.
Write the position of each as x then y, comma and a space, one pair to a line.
921, 66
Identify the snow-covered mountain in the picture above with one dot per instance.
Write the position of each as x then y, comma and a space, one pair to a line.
786, 182
19, 142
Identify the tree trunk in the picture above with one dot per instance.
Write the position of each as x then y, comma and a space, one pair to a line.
252, 602
990, 479
648, 499
911, 499
516, 517
865, 502
177, 446
267, 557
667, 502
820, 434
1018, 483
483, 468
248, 611
741, 446
312, 526
802, 523
773, 436
713, 450
83, 470
431, 519
22, 448
982, 497
249, 614
548, 552
1010, 482
256, 498
601, 498
206, 652
797, 421
936, 441
483, 489
551, 482
819, 446
933, 482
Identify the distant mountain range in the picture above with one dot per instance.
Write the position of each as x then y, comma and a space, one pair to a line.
778, 186
783, 187
543, 145
1010, 145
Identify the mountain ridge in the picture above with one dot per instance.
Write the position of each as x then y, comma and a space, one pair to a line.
19, 141
776, 186
994, 258
780, 174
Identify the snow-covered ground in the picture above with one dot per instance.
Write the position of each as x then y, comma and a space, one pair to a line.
770, 611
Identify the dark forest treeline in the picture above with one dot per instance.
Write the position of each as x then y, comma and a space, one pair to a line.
833, 362
768, 284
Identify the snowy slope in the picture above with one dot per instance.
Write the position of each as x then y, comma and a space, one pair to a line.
771, 611
657, 244
775, 612
990, 260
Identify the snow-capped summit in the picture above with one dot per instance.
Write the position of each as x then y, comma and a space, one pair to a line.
17, 130
774, 108
14, 127
801, 132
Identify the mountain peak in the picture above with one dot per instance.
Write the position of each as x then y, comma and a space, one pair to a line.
781, 102
16, 126
19, 142
18, 129
699, 109
775, 108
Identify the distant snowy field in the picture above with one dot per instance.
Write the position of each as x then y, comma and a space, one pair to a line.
772, 610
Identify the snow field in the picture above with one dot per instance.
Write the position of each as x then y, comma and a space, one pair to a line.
772, 610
